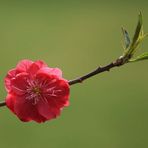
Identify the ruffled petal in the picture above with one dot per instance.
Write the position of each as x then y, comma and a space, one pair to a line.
54, 88
45, 80
56, 71
26, 111
34, 67
11, 74
40, 63
51, 71
62, 88
24, 65
10, 101
47, 110
19, 83
61, 94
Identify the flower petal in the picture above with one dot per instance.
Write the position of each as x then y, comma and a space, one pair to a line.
26, 111
24, 65
10, 101
40, 63
54, 88
34, 67
61, 94
47, 111
56, 71
11, 74
51, 71
19, 83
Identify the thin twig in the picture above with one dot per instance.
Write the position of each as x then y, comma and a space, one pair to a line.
100, 69
2, 104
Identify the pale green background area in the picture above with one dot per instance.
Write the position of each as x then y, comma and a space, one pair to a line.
107, 111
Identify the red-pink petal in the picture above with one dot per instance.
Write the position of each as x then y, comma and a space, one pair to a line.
61, 88
40, 63
11, 74
51, 71
10, 101
61, 97
47, 111
26, 111
24, 65
19, 83
56, 71
34, 67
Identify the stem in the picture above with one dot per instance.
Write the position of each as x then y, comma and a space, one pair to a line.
2, 104
118, 62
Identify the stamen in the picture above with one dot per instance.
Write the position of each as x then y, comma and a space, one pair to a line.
33, 92
35, 89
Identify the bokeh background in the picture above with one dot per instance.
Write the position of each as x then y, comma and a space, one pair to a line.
107, 111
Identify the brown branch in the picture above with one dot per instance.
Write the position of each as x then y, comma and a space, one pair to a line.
118, 62
2, 104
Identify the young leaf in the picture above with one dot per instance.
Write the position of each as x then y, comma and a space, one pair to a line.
126, 38
141, 57
138, 30
137, 39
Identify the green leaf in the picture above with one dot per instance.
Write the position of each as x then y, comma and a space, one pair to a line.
132, 47
141, 57
138, 31
137, 39
126, 38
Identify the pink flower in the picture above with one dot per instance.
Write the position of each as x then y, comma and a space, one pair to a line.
35, 91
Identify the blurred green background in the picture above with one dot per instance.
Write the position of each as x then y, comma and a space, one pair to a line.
106, 111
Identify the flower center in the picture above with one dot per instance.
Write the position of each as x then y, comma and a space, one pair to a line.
36, 90
33, 94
